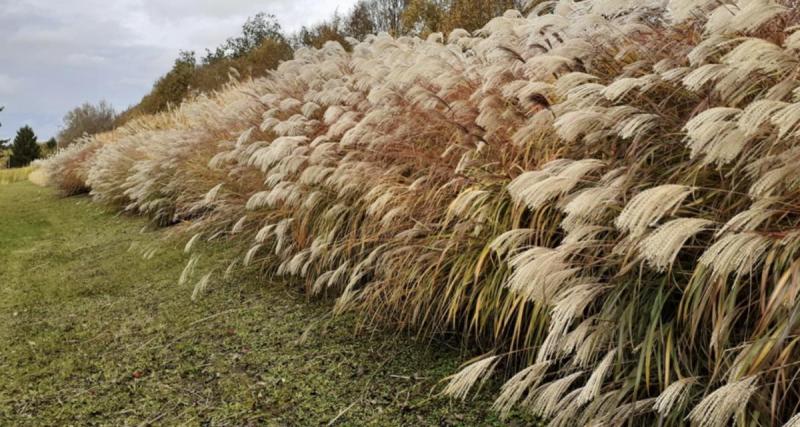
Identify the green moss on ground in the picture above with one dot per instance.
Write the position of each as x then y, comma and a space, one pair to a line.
93, 333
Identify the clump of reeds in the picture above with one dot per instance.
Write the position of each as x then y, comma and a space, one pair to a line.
602, 194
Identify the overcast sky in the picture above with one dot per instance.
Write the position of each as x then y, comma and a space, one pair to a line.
56, 54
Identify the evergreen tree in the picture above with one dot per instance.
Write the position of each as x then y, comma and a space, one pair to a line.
24, 150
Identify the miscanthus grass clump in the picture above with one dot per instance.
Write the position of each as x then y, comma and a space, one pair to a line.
601, 197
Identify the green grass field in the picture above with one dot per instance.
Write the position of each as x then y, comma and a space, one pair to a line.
93, 333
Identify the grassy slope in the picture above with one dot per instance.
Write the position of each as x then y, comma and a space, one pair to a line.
82, 316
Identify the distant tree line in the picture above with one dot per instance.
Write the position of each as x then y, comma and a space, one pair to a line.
404, 17
263, 45
260, 48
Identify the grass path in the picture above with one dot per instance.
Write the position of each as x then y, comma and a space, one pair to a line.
92, 333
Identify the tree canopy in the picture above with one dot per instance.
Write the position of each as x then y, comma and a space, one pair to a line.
25, 149
255, 30
87, 119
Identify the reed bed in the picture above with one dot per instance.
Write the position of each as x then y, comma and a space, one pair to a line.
601, 197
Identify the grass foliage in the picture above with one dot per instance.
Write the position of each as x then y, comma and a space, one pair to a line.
599, 196
9, 176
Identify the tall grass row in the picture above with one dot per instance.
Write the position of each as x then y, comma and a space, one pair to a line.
600, 197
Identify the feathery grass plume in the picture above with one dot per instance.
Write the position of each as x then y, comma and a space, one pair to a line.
568, 411
530, 178
470, 203
674, 75
793, 422
569, 81
538, 273
757, 114
715, 133
251, 253
781, 178
188, 270
788, 120
231, 269
545, 399
212, 194
755, 54
753, 15
596, 342
515, 389
321, 282
576, 337
793, 40
697, 78
751, 219
721, 405
535, 190
649, 206
593, 385
265, 233
68, 169
264, 158
711, 48
576, 124
510, 241
201, 286
587, 206
239, 225
619, 415
557, 333
661, 247
572, 302
719, 20
637, 126
462, 382
674, 395
584, 236
682, 10
736, 252
621, 87
190, 244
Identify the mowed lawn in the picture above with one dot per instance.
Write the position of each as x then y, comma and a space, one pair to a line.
94, 333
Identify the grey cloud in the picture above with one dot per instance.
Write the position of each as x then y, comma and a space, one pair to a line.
55, 54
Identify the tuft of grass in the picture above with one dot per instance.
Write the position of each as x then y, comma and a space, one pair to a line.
96, 332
